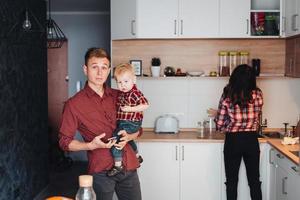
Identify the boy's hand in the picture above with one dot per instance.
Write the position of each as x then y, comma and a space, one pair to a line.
123, 140
126, 108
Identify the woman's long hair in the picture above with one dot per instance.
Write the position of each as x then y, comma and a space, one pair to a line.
241, 84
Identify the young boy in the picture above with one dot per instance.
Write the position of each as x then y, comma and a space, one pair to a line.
131, 104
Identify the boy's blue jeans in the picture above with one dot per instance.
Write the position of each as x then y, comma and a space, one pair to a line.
130, 127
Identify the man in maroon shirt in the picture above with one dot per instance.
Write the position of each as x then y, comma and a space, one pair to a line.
92, 112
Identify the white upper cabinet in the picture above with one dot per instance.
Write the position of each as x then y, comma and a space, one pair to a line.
235, 18
177, 18
157, 18
123, 19
291, 16
163, 19
198, 18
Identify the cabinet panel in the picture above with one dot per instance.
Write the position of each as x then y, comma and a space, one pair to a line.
297, 56
198, 18
159, 172
123, 16
290, 57
291, 17
157, 18
235, 18
281, 184
200, 171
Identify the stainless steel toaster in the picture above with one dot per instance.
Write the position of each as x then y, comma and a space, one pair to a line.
166, 124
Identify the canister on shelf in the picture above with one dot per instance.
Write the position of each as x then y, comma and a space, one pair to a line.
223, 63
244, 57
233, 57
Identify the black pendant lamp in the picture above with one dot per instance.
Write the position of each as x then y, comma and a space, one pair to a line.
55, 36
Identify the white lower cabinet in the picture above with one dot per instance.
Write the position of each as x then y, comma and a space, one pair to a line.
183, 171
287, 178
193, 171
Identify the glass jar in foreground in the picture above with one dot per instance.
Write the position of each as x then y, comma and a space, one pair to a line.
244, 58
233, 60
223, 63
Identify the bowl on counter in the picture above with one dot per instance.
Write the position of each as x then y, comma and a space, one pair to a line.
195, 73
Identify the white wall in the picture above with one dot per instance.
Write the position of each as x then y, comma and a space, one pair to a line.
83, 30
189, 98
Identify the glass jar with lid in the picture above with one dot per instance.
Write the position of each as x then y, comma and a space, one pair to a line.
223, 63
233, 60
244, 57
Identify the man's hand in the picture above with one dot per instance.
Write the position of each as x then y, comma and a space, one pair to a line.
98, 143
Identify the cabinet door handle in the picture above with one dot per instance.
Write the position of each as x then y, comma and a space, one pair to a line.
295, 168
181, 21
279, 156
247, 27
182, 152
176, 152
132, 27
270, 156
294, 23
283, 24
283, 185
175, 27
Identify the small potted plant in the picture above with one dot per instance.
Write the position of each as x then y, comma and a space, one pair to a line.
155, 67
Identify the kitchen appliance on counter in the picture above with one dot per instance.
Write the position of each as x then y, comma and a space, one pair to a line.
166, 124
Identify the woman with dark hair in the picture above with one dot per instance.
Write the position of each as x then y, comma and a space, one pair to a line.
238, 115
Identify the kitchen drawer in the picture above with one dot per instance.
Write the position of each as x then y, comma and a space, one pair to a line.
286, 164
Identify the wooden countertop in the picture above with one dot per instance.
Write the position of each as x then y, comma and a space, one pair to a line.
213, 137
186, 136
285, 149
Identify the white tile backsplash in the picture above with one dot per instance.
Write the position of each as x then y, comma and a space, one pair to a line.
189, 98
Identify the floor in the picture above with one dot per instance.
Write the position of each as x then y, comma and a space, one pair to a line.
64, 182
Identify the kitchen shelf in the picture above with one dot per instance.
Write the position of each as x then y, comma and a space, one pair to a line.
206, 77
265, 11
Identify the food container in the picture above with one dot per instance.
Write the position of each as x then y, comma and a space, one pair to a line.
223, 63
233, 58
244, 58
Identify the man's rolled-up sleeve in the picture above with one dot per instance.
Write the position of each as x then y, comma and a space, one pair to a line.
68, 127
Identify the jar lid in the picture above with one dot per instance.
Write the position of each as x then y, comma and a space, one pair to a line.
85, 181
223, 53
233, 53
244, 53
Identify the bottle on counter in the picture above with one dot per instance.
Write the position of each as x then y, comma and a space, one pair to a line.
201, 129
85, 191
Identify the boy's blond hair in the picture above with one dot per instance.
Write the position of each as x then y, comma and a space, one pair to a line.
123, 68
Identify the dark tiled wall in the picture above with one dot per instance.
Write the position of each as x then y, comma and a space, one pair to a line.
23, 101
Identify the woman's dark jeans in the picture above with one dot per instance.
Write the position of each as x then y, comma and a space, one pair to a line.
130, 127
237, 146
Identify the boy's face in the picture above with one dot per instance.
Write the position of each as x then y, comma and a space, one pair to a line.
125, 81
97, 71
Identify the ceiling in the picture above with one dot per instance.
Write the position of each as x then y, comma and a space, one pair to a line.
80, 5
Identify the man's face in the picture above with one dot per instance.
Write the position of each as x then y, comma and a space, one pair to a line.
97, 71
